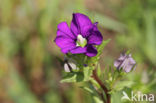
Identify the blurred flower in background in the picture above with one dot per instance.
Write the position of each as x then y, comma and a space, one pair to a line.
125, 62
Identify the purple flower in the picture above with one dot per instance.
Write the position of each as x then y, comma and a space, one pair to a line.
126, 62
80, 37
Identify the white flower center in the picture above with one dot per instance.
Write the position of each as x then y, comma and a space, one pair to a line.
81, 41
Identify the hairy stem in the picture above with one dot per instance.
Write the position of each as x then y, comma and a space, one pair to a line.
108, 96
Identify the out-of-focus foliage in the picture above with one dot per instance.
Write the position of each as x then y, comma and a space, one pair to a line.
30, 71
140, 18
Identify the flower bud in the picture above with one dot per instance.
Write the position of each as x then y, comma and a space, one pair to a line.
125, 62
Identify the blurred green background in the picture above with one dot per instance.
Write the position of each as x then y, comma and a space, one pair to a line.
30, 71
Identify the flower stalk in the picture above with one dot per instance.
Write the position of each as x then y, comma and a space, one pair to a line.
108, 96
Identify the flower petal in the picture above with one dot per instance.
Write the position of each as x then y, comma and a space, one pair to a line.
91, 51
128, 68
78, 22
128, 65
64, 30
65, 43
67, 49
117, 63
78, 50
95, 26
122, 57
126, 62
95, 38
87, 30
74, 28
131, 60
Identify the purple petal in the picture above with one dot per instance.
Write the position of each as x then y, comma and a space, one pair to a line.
132, 61
86, 30
67, 49
95, 38
74, 28
122, 57
128, 68
117, 63
129, 63
65, 43
91, 51
120, 61
78, 22
78, 50
63, 30
126, 62
95, 26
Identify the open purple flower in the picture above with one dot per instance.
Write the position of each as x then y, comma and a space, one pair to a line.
126, 62
80, 37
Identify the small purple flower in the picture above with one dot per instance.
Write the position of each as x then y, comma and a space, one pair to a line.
126, 62
80, 37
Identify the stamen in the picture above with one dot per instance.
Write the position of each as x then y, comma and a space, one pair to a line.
81, 41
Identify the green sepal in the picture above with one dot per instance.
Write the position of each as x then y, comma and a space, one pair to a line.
87, 73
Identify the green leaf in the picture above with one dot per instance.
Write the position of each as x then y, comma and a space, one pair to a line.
122, 84
89, 90
101, 47
73, 77
87, 73
94, 82
97, 99
98, 70
69, 78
